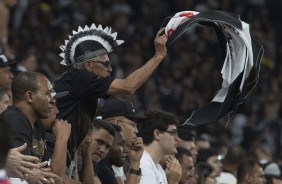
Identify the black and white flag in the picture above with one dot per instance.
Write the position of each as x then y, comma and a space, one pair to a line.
241, 66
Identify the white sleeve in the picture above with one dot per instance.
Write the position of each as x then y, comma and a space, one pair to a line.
148, 173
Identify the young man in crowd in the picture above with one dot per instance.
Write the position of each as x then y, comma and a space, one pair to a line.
91, 151
185, 158
121, 112
116, 156
159, 134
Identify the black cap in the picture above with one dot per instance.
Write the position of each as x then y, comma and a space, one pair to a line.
118, 107
5, 62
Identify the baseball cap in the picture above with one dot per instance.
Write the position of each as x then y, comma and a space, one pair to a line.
272, 169
118, 107
5, 62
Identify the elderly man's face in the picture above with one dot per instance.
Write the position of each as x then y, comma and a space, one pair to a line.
99, 66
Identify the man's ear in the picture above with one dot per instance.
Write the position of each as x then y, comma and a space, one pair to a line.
157, 134
28, 96
87, 65
248, 178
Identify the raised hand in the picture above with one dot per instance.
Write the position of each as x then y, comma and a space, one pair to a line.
173, 171
62, 129
136, 150
160, 44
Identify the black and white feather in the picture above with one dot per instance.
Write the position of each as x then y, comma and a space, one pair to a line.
98, 34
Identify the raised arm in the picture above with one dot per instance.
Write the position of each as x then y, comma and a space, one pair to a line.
61, 131
135, 154
136, 79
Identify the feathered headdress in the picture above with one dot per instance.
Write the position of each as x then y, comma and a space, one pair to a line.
88, 43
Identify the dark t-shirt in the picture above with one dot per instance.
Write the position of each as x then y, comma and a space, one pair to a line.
79, 106
105, 173
22, 132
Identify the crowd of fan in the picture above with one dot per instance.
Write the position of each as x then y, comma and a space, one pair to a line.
187, 79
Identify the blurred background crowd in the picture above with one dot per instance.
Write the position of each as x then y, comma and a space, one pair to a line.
190, 75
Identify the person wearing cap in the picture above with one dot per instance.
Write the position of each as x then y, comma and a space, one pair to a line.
121, 112
159, 134
6, 75
32, 101
86, 52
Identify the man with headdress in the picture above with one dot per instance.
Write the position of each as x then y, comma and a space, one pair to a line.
89, 78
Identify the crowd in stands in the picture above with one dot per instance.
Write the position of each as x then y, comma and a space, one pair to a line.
31, 32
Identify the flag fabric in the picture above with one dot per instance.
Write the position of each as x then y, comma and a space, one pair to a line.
240, 69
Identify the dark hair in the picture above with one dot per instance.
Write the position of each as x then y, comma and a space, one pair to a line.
155, 120
23, 82
99, 123
185, 134
246, 167
205, 154
203, 170
182, 151
235, 155
5, 142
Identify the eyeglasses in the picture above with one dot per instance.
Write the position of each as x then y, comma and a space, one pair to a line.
104, 63
172, 133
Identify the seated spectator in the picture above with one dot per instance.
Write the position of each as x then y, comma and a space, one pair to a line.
159, 134
122, 113
93, 149
32, 101
116, 156
12, 163
250, 172
206, 174
185, 159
